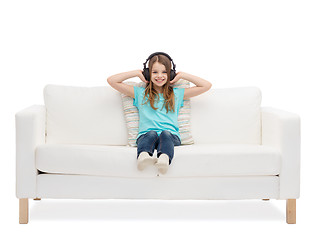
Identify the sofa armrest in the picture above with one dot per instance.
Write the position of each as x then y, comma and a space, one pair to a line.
281, 129
30, 132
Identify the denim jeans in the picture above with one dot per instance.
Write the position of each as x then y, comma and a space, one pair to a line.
164, 143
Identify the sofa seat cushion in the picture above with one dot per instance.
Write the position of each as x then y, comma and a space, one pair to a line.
97, 160
204, 160
198, 160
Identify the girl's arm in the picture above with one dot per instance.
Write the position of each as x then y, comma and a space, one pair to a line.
116, 82
201, 84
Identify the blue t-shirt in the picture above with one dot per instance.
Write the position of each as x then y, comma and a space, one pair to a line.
157, 120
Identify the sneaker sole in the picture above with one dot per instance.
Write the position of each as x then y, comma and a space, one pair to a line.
146, 162
162, 168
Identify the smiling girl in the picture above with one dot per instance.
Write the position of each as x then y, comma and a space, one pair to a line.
158, 104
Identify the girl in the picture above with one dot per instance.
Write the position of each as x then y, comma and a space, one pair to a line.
158, 104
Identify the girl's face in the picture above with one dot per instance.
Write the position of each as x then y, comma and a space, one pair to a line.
159, 75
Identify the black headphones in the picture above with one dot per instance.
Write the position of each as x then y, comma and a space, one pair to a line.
146, 72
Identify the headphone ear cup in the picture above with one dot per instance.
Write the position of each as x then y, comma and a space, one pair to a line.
173, 74
146, 74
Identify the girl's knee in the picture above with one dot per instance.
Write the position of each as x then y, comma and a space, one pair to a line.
152, 132
165, 132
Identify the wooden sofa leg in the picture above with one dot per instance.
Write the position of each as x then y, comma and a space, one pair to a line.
23, 205
291, 211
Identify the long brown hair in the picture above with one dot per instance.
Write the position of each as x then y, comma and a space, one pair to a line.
167, 89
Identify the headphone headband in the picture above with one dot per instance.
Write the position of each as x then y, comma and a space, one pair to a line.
159, 53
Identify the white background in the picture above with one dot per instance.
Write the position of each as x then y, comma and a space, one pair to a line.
268, 44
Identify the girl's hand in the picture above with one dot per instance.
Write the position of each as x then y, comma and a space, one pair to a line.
176, 78
141, 76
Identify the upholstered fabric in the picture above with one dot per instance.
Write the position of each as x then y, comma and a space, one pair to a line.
132, 115
197, 160
95, 115
261, 160
30, 132
227, 116
203, 188
281, 130
84, 115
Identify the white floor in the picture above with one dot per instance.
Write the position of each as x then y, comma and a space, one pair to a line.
156, 219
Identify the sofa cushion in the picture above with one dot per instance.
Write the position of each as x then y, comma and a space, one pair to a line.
198, 160
227, 116
84, 115
115, 161
132, 115
94, 115
225, 160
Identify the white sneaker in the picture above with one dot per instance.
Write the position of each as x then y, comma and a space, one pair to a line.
162, 163
145, 160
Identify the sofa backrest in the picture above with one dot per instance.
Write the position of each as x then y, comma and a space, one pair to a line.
94, 115
84, 115
227, 115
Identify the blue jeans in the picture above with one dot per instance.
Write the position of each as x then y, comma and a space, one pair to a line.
164, 143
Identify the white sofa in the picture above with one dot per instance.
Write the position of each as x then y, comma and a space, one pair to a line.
75, 147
